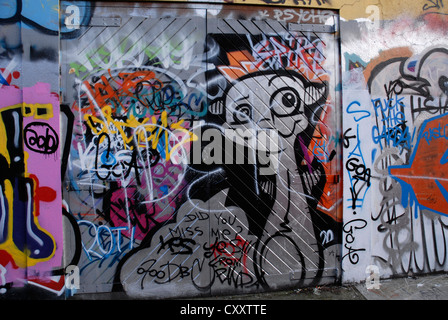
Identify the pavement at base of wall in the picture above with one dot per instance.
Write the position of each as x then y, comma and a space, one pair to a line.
425, 287
422, 287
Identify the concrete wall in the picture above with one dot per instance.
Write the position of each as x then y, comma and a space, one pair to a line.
31, 245
394, 101
189, 230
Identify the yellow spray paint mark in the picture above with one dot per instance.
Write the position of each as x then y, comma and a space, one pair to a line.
149, 131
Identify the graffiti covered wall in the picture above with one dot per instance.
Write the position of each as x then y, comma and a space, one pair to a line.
203, 152
197, 149
31, 239
394, 142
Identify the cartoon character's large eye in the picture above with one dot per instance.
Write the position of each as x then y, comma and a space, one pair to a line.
285, 102
242, 113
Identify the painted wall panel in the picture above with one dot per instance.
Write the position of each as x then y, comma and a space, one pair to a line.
204, 156
31, 247
402, 76
114, 170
